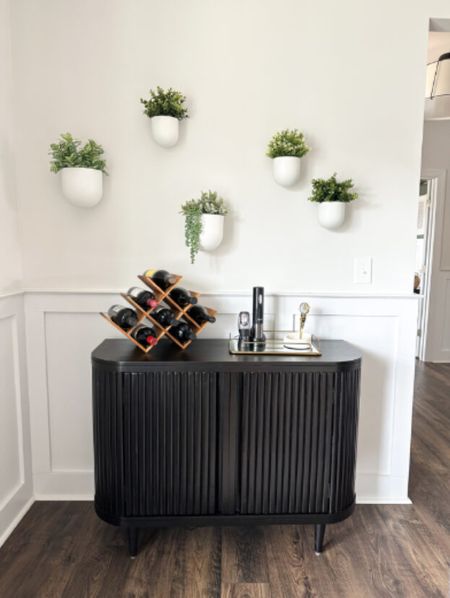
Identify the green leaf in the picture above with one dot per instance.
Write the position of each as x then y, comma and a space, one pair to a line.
68, 153
332, 190
165, 103
289, 142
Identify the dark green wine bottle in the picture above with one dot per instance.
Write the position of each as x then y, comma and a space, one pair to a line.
199, 314
145, 335
182, 332
125, 317
162, 278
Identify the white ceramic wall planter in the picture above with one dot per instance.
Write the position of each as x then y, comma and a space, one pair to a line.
331, 214
212, 231
286, 170
165, 130
83, 187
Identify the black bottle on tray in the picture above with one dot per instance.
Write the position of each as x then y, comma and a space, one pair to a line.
125, 317
182, 332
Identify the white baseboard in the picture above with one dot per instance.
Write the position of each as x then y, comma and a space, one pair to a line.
363, 500
15, 522
380, 500
67, 485
62, 497
438, 360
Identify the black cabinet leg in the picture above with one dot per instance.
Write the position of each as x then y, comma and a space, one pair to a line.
132, 533
319, 535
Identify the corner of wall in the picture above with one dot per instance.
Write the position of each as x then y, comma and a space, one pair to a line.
16, 482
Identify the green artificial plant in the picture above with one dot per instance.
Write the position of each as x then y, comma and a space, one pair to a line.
288, 142
332, 190
208, 203
69, 153
165, 103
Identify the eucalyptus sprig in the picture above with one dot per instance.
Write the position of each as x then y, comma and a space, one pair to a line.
289, 142
68, 153
192, 210
165, 103
332, 190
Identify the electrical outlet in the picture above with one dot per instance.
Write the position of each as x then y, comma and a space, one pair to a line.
362, 270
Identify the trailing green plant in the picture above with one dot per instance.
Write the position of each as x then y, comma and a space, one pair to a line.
289, 142
165, 103
332, 190
69, 153
192, 226
192, 210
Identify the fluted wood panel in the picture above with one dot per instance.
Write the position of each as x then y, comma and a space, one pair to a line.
170, 444
345, 428
297, 442
193, 442
155, 443
108, 442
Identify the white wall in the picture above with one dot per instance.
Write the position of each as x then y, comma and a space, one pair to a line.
436, 159
10, 259
248, 69
15, 454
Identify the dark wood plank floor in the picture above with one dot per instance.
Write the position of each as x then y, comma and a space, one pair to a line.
61, 549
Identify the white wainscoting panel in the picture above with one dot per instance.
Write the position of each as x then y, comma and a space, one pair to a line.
15, 457
63, 329
11, 449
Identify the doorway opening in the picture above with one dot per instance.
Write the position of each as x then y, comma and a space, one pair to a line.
432, 276
424, 258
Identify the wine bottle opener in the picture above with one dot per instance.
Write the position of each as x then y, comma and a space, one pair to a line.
257, 335
244, 326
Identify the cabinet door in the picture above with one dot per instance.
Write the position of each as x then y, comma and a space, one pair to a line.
285, 434
170, 443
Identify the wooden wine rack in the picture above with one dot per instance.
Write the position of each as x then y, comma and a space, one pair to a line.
160, 296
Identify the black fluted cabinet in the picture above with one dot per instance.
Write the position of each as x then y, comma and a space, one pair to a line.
202, 437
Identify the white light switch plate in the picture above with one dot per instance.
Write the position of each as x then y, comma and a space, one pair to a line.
362, 270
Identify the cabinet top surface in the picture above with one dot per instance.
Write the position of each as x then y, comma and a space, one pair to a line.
121, 354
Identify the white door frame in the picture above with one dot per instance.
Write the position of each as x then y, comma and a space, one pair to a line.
431, 325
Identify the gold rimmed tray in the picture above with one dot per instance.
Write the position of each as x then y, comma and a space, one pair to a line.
272, 347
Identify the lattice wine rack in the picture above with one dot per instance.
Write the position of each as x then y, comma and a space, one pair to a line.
161, 296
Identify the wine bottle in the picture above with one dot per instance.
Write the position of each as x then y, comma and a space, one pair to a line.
162, 278
199, 314
182, 297
163, 316
145, 335
145, 299
125, 317
182, 332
